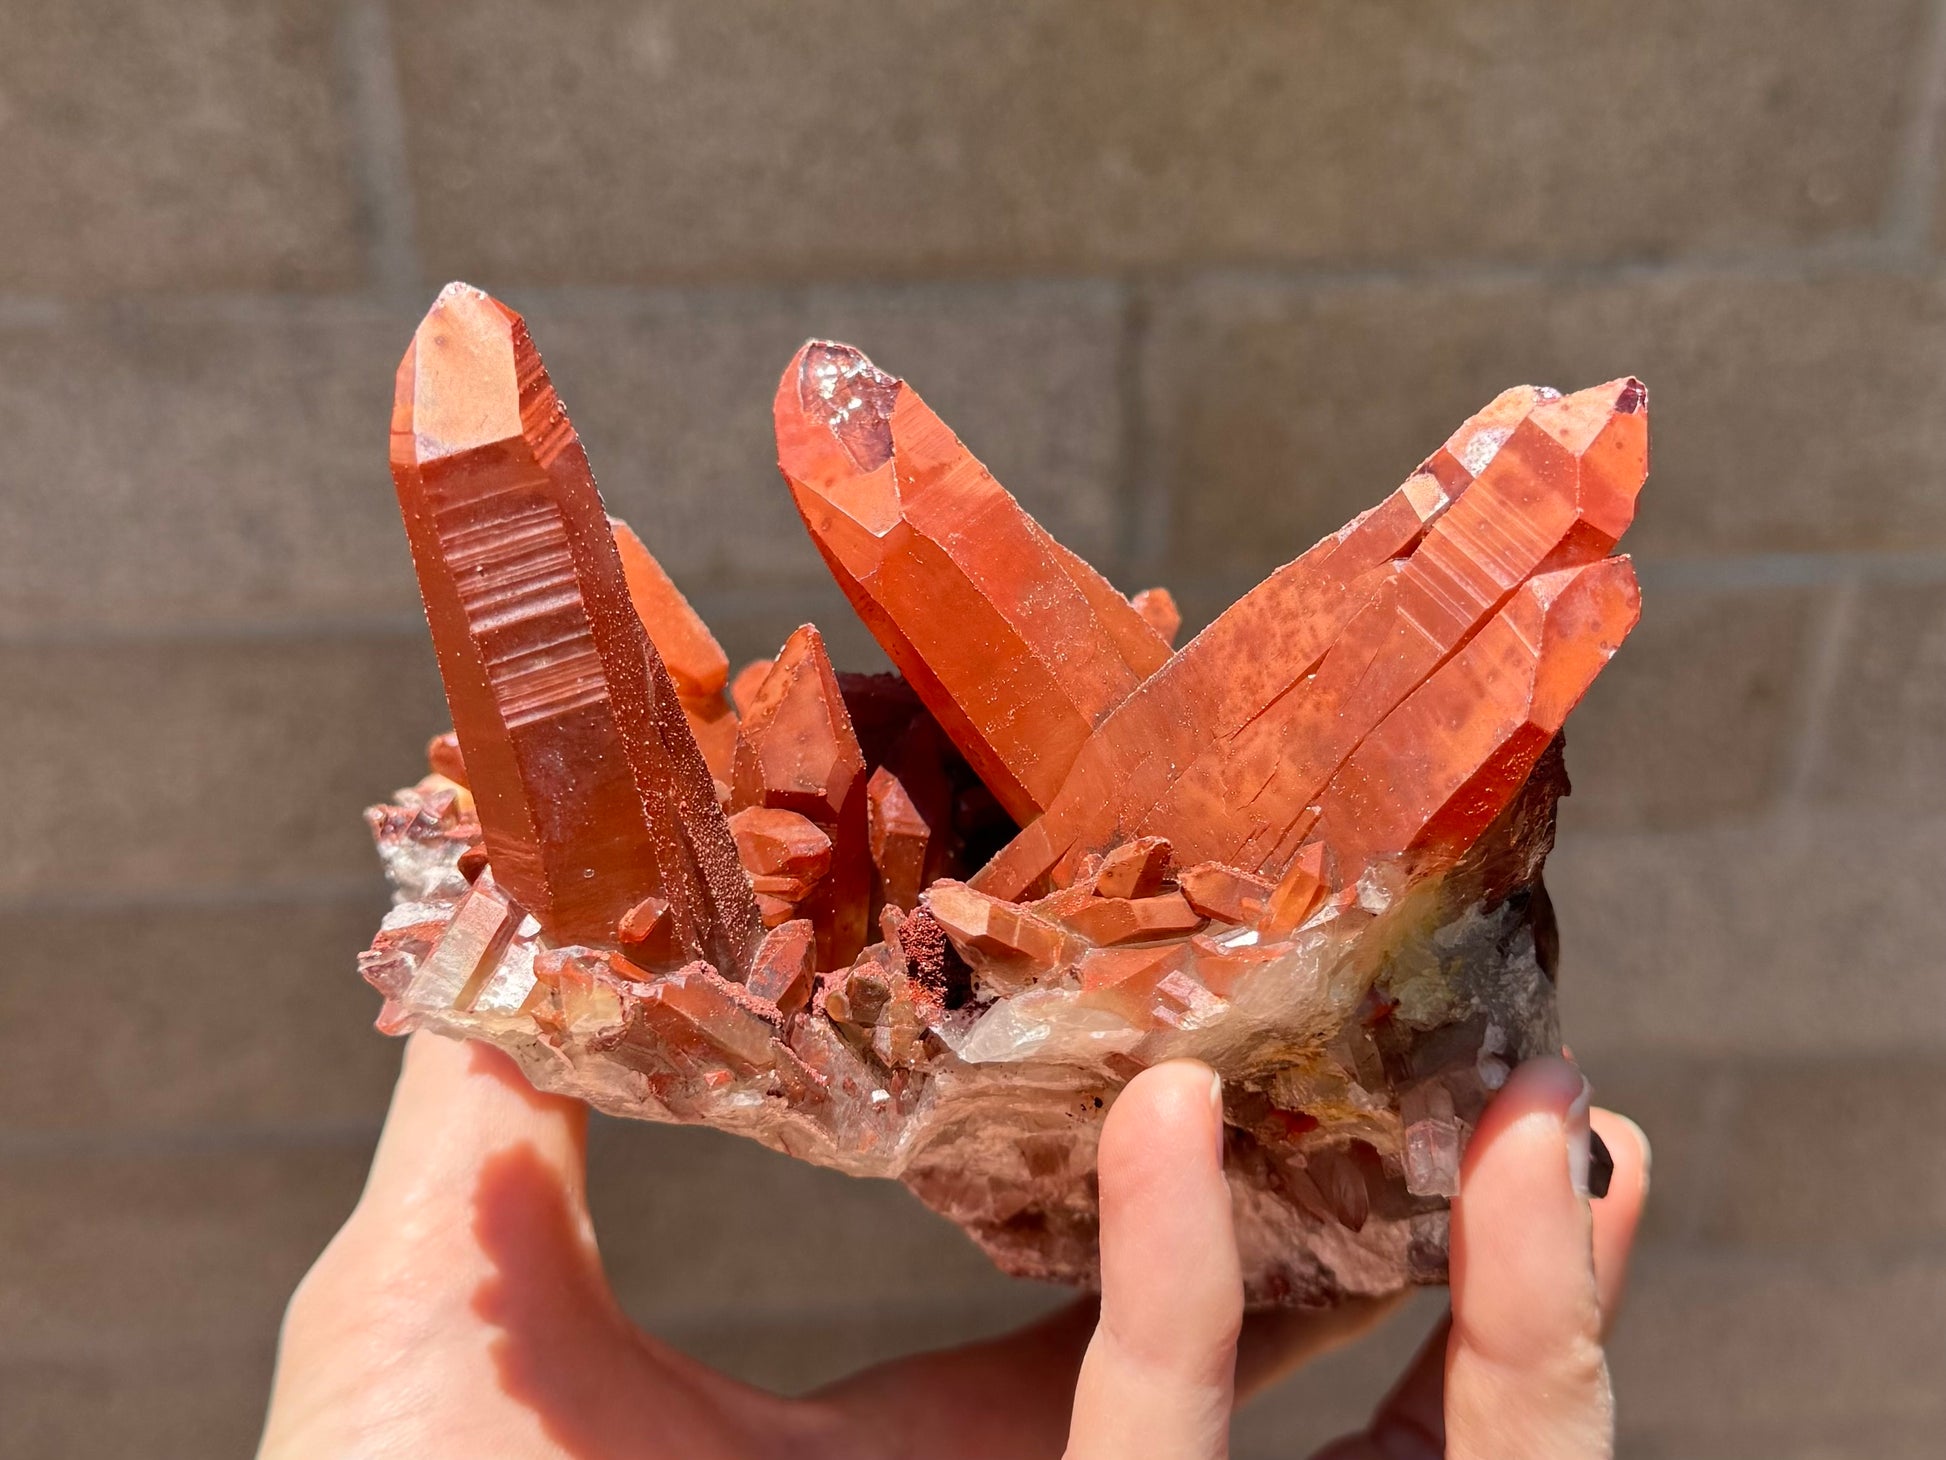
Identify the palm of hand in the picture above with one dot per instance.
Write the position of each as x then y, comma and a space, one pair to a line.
463, 1311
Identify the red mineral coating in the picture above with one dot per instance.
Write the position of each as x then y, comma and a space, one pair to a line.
1222, 965
796, 752
749, 679
696, 662
1124, 979
1467, 451
1560, 490
1017, 647
697, 1012
770, 839
1105, 921
1134, 869
1158, 609
1254, 653
648, 935
1299, 890
910, 792
779, 846
591, 790
985, 925
931, 961
714, 724
444, 759
1224, 893
1443, 765
899, 837
1223, 750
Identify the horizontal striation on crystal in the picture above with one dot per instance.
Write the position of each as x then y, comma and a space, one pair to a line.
925, 925
591, 791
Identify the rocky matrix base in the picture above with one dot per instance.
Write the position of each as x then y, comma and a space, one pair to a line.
926, 925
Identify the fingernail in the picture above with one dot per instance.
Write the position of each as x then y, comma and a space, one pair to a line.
1580, 1137
1642, 1146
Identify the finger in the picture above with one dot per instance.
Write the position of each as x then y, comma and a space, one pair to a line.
1618, 1215
1525, 1373
476, 1178
457, 1108
1410, 1423
1159, 1372
1036, 1367
466, 1296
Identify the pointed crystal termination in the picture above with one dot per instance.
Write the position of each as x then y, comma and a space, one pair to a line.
592, 793
1017, 646
900, 834
1560, 491
797, 752
1251, 658
697, 664
1158, 609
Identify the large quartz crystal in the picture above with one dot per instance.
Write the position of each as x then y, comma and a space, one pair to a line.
925, 925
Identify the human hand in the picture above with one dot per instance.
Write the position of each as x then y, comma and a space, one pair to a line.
462, 1310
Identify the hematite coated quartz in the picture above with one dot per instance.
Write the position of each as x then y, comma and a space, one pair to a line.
926, 925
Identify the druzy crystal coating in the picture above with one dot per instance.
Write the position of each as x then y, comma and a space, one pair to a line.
925, 925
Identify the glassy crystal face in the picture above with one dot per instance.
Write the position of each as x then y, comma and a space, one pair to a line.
926, 925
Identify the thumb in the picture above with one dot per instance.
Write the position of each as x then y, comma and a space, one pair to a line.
1159, 1374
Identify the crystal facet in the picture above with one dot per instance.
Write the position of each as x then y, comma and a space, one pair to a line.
926, 925
1016, 645
590, 788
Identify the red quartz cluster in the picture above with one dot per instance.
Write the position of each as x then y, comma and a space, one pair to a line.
925, 924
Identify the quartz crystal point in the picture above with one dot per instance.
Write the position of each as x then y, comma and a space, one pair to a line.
590, 788
943, 916
1224, 749
1157, 606
796, 752
1016, 645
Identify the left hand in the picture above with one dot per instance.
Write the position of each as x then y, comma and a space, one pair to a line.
462, 1310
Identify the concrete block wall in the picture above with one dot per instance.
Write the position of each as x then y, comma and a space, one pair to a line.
1199, 281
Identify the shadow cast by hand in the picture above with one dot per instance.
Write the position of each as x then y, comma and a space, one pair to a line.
554, 1349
